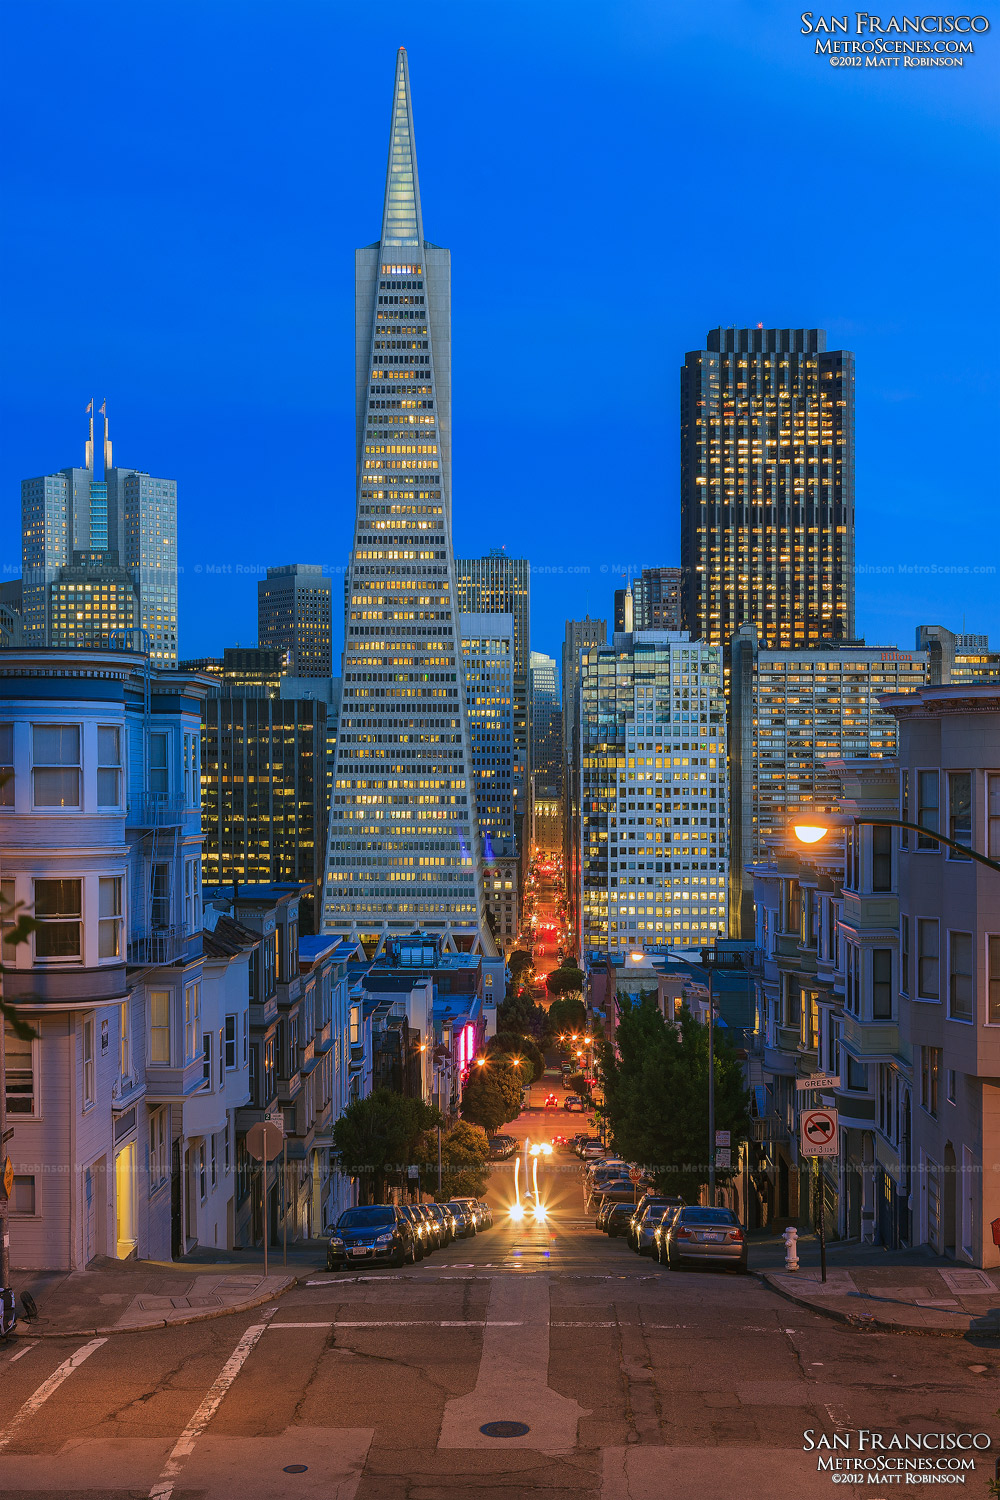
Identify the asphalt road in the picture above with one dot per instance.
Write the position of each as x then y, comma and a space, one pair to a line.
633, 1384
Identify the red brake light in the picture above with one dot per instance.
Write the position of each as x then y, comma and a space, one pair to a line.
736, 1235
683, 1234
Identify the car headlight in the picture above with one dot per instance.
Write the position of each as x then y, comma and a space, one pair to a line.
384, 1239
336, 1240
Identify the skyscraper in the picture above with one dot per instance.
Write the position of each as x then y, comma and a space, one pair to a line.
657, 599
487, 652
653, 800
293, 615
580, 636
546, 723
767, 487
500, 585
404, 847
124, 520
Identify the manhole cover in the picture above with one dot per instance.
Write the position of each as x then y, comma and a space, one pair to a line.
296, 1468
504, 1429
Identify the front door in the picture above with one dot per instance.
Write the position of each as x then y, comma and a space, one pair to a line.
125, 1201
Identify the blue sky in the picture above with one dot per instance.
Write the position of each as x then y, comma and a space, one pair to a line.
187, 183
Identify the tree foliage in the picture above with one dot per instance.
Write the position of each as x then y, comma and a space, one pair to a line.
566, 980
567, 1014
524, 1016
519, 964
656, 1096
516, 1044
17, 928
492, 1095
378, 1137
464, 1162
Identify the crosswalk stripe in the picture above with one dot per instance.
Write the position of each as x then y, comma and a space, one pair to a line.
46, 1389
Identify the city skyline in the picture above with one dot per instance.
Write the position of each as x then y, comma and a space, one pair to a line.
225, 476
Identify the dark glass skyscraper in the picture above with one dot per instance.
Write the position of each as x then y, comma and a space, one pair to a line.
767, 487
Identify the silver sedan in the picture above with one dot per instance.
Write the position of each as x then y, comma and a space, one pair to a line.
706, 1236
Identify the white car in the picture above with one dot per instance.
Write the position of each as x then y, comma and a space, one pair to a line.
573, 1101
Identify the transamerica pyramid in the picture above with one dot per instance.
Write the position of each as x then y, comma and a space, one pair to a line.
403, 845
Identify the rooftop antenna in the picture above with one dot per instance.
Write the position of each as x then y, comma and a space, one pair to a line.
88, 452
107, 439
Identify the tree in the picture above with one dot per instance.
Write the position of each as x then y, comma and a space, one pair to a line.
520, 963
464, 1162
514, 1044
17, 928
524, 1016
656, 1096
565, 980
492, 1095
378, 1137
567, 1014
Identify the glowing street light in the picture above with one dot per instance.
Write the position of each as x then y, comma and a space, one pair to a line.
810, 833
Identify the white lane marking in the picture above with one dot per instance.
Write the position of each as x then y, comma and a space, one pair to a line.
46, 1389
164, 1486
23, 1351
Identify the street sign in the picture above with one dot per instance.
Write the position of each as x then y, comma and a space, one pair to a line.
723, 1156
635, 1175
265, 1140
817, 1081
8, 1176
722, 1138
819, 1132
6, 1136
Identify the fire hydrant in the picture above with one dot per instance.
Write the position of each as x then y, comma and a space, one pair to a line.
791, 1236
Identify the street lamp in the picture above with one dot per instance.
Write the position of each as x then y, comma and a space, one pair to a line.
813, 831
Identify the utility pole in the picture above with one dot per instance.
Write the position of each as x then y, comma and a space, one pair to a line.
711, 1088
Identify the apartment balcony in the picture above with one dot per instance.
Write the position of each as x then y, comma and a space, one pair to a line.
164, 945
154, 810
263, 1016
323, 1039
289, 1088
307, 1057
867, 1039
787, 1038
357, 1056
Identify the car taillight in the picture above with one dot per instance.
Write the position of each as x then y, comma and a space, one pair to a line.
683, 1234
736, 1235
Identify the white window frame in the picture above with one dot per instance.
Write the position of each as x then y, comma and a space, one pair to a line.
125, 1040
48, 807
159, 1149
117, 766
113, 921
66, 960
153, 1026
192, 1022
89, 1063
35, 1112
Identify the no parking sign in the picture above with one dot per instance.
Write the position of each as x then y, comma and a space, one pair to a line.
819, 1132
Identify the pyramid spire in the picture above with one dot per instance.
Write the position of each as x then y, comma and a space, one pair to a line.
402, 222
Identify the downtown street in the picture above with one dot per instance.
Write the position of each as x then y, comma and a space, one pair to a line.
632, 1382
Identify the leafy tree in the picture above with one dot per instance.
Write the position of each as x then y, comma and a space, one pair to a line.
17, 928
567, 1014
523, 1016
464, 1162
566, 980
656, 1095
513, 1044
492, 1095
520, 964
379, 1136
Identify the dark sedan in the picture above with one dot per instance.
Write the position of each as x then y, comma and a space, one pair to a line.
444, 1219
421, 1229
373, 1233
617, 1220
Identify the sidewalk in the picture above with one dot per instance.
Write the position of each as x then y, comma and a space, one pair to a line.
907, 1290
113, 1296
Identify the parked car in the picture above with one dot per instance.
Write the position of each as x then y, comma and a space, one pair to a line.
706, 1236
445, 1219
487, 1213
478, 1211
436, 1229
465, 1220
609, 1201
644, 1202
573, 1101
643, 1231
502, 1147
421, 1230
658, 1249
585, 1142
616, 1222
592, 1151
375, 1232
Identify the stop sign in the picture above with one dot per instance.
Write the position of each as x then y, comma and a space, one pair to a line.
265, 1140
635, 1175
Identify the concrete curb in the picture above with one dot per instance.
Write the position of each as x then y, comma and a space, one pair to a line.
861, 1321
27, 1331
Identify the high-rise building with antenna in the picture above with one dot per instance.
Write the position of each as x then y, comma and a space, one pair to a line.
99, 555
404, 846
